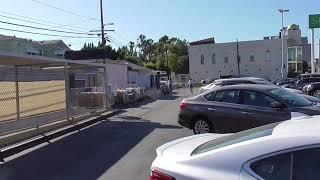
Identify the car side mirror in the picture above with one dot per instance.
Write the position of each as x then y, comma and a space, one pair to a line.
277, 105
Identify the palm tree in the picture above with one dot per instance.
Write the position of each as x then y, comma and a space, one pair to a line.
141, 44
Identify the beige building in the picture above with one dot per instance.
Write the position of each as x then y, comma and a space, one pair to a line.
259, 58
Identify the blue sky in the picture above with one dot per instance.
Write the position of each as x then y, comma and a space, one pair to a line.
190, 19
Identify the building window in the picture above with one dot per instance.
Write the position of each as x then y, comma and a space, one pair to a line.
292, 67
202, 59
251, 58
299, 67
295, 53
226, 59
268, 55
60, 55
213, 58
299, 53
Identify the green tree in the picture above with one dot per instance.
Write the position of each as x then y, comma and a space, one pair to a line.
163, 46
150, 49
132, 59
131, 46
141, 44
150, 65
84, 46
174, 62
184, 65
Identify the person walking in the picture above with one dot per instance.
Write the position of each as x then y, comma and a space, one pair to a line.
190, 84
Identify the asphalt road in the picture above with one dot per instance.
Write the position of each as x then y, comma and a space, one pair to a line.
122, 147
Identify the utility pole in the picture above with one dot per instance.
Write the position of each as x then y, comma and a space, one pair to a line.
282, 11
103, 40
312, 51
238, 58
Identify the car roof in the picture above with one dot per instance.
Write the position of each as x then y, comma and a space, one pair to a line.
300, 126
257, 87
239, 79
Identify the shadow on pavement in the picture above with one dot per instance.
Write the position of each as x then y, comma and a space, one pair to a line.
85, 155
137, 105
168, 97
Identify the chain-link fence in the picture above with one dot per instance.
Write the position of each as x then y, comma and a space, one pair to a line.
39, 94
88, 91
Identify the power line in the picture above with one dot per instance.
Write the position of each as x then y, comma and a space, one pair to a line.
70, 25
46, 29
33, 22
116, 43
121, 37
63, 10
39, 20
55, 35
116, 40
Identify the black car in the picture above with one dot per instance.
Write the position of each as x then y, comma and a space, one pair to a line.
311, 89
299, 84
303, 76
235, 108
283, 81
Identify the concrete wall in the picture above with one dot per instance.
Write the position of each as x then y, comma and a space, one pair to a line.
139, 78
260, 67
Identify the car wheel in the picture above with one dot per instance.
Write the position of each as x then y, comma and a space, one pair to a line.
202, 126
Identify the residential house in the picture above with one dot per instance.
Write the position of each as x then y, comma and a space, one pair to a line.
47, 48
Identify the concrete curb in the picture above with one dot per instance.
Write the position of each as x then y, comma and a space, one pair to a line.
35, 136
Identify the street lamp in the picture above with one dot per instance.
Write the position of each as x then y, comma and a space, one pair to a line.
282, 11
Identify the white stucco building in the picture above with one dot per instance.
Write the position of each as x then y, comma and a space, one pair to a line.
259, 58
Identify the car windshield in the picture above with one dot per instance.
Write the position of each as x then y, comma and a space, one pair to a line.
289, 98
235, 138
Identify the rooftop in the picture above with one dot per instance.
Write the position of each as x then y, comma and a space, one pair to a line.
258, 87
204, 41
45, 42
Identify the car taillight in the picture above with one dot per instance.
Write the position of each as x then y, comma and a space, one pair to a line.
157, 175
183, 106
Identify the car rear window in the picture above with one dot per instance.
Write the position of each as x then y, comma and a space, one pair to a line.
235, 138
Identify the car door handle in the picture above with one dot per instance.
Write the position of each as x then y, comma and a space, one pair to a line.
211, 109
246, 113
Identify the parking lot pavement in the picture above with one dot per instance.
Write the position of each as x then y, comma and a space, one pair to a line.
122, 147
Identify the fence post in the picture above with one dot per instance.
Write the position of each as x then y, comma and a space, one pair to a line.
104, 84
16, 79
66, 77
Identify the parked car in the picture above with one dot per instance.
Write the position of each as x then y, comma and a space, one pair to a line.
239, 107
283, 81
278, 151
299, 84
315, 99
311, 88
233, 81
303, 76
251, 80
